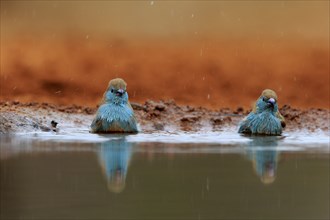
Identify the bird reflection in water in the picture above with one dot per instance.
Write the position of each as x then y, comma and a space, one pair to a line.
114, 157
263, 152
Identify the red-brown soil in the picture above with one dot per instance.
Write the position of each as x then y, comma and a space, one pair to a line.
198, 72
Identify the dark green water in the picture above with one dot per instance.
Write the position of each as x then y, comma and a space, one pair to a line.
121, 180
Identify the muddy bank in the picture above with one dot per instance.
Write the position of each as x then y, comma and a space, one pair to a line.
152, 116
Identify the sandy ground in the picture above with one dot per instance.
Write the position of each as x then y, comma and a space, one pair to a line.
152, 116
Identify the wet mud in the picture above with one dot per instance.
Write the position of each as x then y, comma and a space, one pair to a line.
17, 117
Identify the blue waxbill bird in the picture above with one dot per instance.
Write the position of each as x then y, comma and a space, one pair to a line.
115, 114
265, 119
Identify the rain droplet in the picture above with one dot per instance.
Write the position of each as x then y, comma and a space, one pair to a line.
207, 184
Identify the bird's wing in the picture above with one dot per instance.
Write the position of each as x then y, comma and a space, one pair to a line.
132, 123
130, 106
96, 125
282, 119
244, 126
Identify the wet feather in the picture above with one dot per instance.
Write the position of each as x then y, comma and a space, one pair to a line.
115, 113
265, 118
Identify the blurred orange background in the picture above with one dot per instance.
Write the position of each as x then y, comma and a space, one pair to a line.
203, 53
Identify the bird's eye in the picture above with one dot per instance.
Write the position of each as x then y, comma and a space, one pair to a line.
264, 99
111, 90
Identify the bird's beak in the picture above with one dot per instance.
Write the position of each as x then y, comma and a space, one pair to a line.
120, 92
272, 101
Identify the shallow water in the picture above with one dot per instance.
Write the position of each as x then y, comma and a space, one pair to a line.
210, 175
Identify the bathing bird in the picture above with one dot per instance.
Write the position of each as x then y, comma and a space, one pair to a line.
265, 118
115, 114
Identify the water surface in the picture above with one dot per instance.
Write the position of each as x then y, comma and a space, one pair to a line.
164, 176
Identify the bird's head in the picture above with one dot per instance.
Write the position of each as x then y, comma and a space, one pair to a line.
116, 92
267, 101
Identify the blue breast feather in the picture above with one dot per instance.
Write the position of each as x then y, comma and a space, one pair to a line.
111, 117
261, 123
